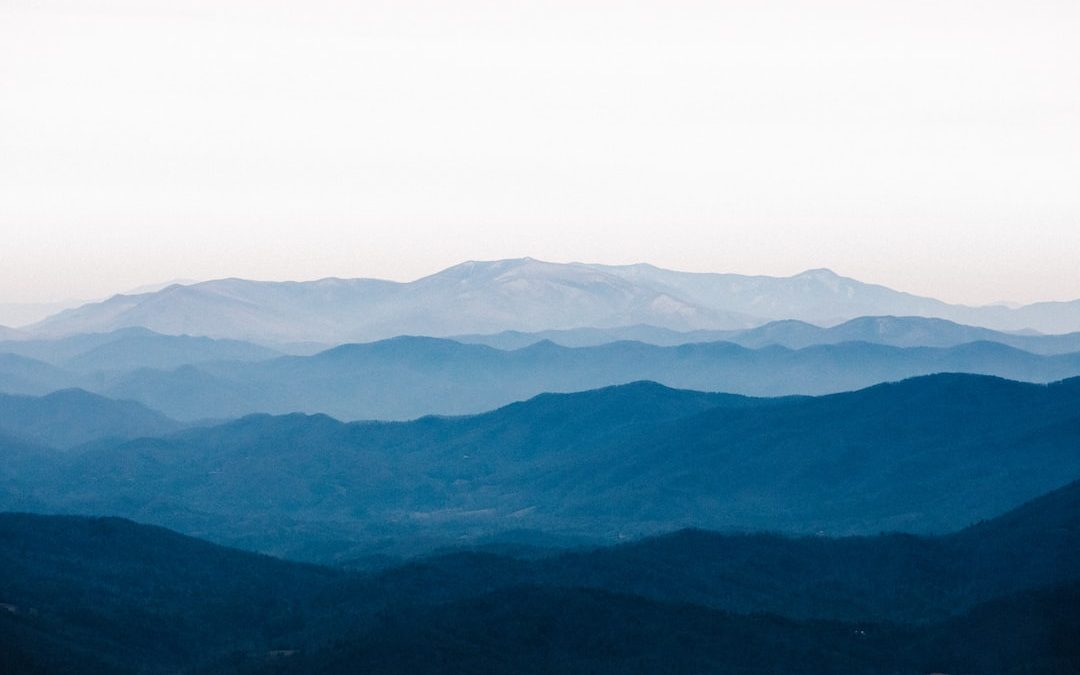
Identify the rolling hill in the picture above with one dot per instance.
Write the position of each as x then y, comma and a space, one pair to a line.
194, 379
85, 595
556, 630
22, 375
130, 348
93, 595
929, 454
71, 417
889, 577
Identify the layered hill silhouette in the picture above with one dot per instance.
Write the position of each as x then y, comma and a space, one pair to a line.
929, 454
23, 375
93, 595
522, 295
130, 348
891, 577
71, 417
408, 377
405, 378
546, 630
896, 331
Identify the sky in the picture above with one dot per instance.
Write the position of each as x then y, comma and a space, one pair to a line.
932, 146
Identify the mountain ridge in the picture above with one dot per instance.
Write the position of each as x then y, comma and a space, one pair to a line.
102, 594
70, 417
896, 331
925, 455
521, 294
407, 377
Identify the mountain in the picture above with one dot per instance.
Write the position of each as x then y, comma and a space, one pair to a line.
554, 630
86, 595
22, 375
405, 378
131, 348
823, 297
557, 615
56, 351
818, 296
899, 331
71, 417
895, 578
472, 297
896, 331
925, 455
522, 295
18, 459
165, 351
10, 333
1046, 317
154, 287
24, 313
193, 378
510, 340
96, 595
534, 630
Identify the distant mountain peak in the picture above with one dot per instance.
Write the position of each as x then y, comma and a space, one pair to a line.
502, 263
818, 273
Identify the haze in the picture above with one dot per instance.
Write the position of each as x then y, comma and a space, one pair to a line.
930, 146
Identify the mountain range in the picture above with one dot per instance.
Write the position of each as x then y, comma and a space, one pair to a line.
89, 595
72, 417
895, 331
405, 378
520, 466
130, 348
522, 295
195, 378
929, 454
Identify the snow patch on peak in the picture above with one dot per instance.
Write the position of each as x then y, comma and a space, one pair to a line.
818, 273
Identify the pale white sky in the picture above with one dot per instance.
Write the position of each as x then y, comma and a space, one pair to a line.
933, 146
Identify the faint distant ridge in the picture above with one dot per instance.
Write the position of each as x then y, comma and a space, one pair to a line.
19, 314
524, 295
406, 377
894, 331
129, 348
7, 333
193, 378
153, 288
